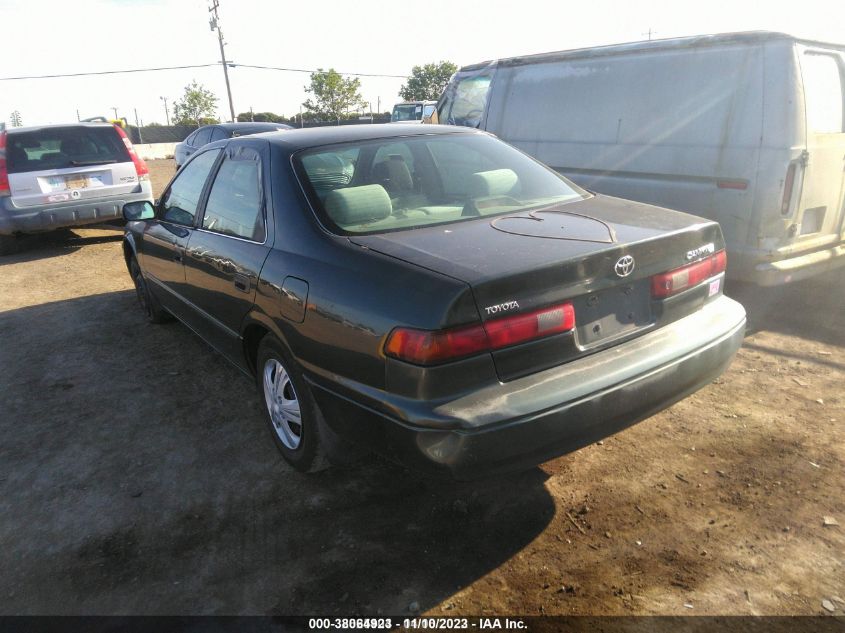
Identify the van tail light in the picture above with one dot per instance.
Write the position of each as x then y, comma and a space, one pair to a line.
5, 190
675, 281
788, 186
425, 347
140, 166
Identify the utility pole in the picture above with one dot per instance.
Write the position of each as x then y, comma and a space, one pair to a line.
78, 118
649, 33
138, 126
166, 111
214, 23
115, 112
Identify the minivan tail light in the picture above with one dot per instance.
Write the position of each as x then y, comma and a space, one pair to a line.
425, 347
672, 282
140, 166
5, 189
788, 185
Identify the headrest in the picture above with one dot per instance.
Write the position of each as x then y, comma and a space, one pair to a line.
496, 182
358, 205
394, 173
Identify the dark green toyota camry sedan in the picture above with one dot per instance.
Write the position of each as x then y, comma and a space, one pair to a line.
432, 294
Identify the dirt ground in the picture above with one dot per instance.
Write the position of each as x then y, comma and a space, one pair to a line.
136, 476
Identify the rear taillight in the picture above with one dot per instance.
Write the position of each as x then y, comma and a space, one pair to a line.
675, 281
5, 190
140, 166
424, 347
788, 185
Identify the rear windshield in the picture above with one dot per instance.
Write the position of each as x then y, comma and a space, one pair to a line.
409, 182
64, 147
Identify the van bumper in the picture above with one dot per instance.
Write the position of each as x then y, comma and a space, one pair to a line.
521, 423
747, 266
40, 218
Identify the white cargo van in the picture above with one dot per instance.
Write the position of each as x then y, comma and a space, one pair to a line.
746, 129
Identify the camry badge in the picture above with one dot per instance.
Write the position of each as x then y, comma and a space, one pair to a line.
625, 266
707, 249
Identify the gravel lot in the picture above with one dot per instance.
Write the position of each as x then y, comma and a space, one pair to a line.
136, 476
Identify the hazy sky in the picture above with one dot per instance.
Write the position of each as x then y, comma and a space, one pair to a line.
65, 36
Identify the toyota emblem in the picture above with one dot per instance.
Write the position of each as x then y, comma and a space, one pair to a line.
625, 266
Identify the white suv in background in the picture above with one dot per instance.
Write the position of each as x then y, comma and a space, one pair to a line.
59, 176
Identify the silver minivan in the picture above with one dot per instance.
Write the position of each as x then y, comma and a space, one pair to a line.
747, 129
59, 176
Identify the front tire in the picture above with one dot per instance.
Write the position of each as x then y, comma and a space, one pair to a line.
149, 304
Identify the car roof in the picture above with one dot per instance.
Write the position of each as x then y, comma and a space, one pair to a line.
34, 128
250, 125
694, 41
303, 138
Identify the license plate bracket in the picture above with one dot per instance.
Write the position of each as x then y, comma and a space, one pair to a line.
614, 312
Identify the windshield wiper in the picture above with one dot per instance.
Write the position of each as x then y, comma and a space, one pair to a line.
82, 163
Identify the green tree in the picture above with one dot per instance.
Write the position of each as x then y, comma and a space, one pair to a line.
197, 106
16, 119
426, 83
333, 95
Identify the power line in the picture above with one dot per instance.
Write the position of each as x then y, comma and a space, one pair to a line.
303, 70
232, 64
107, 72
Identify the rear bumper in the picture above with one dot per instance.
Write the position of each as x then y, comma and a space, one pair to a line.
757, 267
41, 218
521, 423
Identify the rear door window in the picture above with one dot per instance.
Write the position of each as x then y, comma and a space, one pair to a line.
218, 134
823, 95
63, 148
179, 204
202, 137
234, 203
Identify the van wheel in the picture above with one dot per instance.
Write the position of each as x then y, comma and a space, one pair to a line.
149, 304
9, 244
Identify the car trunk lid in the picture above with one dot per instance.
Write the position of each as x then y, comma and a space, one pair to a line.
598, 254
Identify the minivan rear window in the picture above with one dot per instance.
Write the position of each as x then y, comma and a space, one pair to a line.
63, 147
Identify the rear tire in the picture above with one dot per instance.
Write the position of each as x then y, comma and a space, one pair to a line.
297, 426
149, 304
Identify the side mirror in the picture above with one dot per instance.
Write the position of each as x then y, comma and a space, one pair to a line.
142, 210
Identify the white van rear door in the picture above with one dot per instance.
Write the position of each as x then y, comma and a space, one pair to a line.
820, 206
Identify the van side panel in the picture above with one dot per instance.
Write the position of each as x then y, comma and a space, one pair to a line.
667, 127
